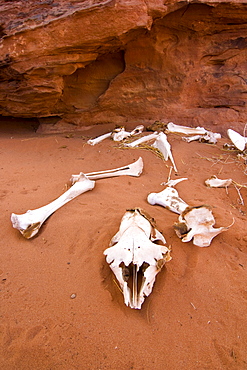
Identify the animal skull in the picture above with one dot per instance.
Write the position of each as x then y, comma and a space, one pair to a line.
136, 254
197, 223
30, 222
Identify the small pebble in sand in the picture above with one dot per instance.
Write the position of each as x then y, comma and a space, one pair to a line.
73, 296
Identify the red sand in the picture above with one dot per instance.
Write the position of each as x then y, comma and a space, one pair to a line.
195, 318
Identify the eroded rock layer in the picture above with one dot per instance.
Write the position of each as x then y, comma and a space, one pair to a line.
125, 62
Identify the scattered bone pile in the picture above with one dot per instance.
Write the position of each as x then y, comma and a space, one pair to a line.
138, 251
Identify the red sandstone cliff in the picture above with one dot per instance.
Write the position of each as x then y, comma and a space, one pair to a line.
125, 62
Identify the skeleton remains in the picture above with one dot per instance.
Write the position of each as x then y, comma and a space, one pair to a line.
136, 254
169, 198
197, 223
194, 222
118, 134
238, 140
214, 182
30, 222
133, 169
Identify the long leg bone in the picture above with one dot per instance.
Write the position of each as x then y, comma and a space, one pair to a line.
134, 256
30, 222
171, 127
133, 169
142, 140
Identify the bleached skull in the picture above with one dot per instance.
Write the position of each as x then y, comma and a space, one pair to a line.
136, 254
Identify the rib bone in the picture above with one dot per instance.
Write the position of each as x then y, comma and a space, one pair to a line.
143, 140
30, 222
133, 169
134, 256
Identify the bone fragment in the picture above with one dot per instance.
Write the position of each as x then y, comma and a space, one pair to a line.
197, 223
162, 144
169, 199
171, 127
30, 222
238, 140
120, 134
134, 256
133, 169
142, 140
117, 134
214, 182
99, 139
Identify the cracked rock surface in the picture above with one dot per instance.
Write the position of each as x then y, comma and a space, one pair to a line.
90, 62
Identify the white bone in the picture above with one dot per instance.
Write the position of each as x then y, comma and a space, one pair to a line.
117, 134
120, 134
99, 138
134, 256
171, 127
162, 144
30, 222
188, 139
142, 140
238, 140
209, 137
169, 199
214, 182
197, 223
133, 169
174, 182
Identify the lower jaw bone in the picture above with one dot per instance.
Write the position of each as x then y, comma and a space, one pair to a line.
30, 222
134, 256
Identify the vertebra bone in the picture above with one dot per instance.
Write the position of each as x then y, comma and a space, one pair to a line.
133, 169
30, 222
214, 182
134, 256
169, 199
197, 223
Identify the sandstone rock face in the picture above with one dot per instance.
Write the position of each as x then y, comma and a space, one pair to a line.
126, 62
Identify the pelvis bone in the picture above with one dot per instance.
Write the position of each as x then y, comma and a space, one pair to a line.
197, 223
30, 222
136, 254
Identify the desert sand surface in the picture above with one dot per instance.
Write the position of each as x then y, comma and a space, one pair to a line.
60, 305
